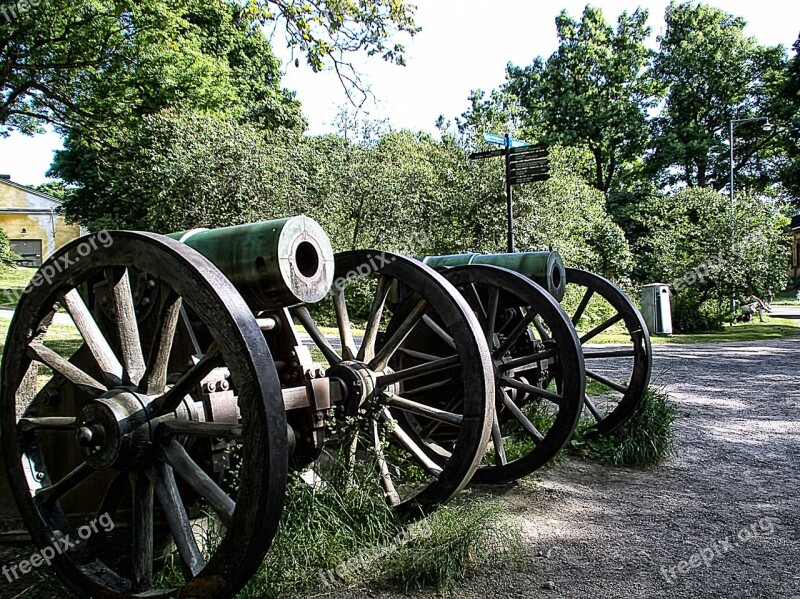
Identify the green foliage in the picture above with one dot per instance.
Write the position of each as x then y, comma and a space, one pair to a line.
646, 439
180, 171
688, 244
327, 30
7, 257
322, 527
344, 533
98, 67
594, 91
568, 215
460, 539
712, 73
787, 106
689, 315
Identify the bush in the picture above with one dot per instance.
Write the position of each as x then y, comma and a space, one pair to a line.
646, 439
7, 257
690, 316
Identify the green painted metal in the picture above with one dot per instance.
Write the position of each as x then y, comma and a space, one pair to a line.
546, 268
273, 264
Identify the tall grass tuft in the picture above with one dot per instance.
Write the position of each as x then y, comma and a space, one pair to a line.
647, 439
322, 526
452, 542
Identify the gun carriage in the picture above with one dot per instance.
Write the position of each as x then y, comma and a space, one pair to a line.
193, 394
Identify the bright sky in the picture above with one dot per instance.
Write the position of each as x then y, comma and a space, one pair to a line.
463, 45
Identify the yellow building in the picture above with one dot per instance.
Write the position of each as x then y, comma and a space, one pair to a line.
32, 221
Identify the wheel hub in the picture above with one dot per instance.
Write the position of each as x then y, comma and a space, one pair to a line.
358, 380
114, 430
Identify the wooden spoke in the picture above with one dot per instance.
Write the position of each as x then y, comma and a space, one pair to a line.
94, 339
600, 328
532, 389
199, 481
607, 382
170, 401
440, 332
59, 364
426, 388
343, 320
592, 409
214, 430
414, 407
491, 315
521, 418
169, 315
543, 334
177, 520
411, 446
142, 553
316, 335
412, 353
127, 326
384, 355
523, 361
438, 365
51, 494
471, 292
620, 353
497, 441
47, 423
386, 478
582, 306
367, 350
513, 336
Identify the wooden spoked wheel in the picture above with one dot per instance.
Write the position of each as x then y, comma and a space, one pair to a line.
398, 296
126, 431
618, 374
538, 367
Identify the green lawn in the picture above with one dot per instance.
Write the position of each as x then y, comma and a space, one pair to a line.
12, 281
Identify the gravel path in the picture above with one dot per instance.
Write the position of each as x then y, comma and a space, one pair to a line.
720, 520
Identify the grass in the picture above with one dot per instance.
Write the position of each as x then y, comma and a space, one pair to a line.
771, 328
647, 439
13, 279
343, 534
787, 297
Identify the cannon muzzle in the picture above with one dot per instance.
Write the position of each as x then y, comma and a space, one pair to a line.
273, 264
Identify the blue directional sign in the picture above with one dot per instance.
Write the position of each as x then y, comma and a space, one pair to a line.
500, 140
491, 138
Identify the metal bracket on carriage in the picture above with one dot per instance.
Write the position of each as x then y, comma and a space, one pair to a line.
219, 405
319, 393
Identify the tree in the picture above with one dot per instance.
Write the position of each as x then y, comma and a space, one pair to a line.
327, 31
98, 67
594, 90
689, 246
787, 106
181, 171
712, 73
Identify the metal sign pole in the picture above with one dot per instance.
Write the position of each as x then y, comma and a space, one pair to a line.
509, 205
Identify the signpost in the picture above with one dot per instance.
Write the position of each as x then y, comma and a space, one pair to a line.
524, 164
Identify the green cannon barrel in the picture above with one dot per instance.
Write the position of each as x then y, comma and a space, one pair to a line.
546, 268
273, 264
